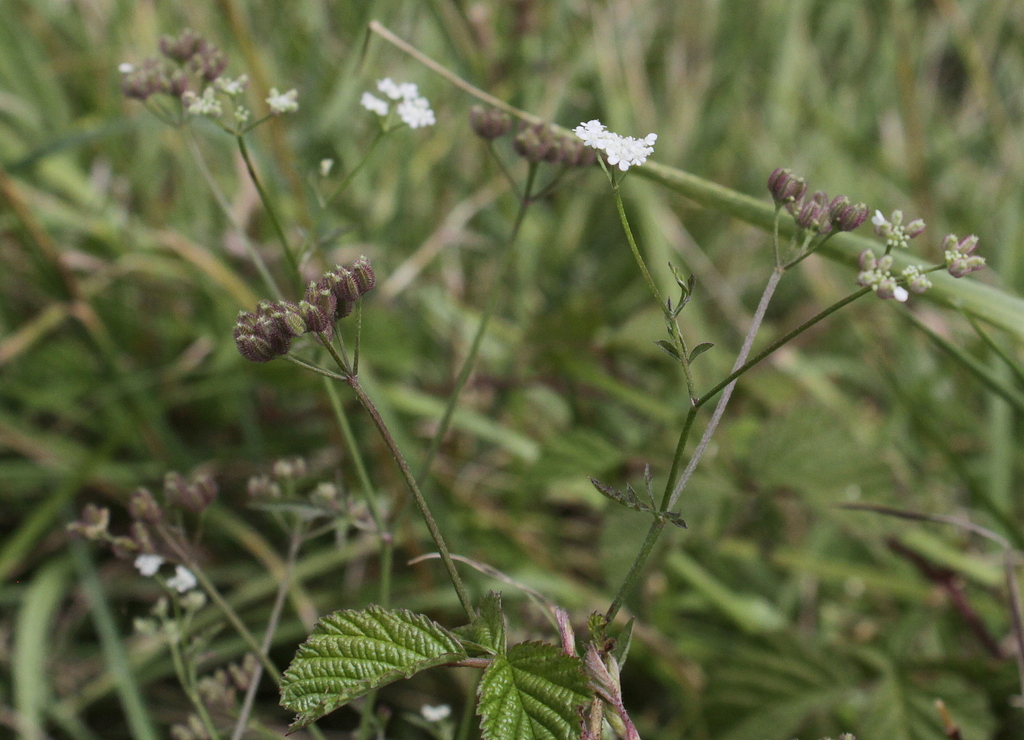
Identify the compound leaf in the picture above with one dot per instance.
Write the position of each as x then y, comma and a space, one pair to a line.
532, 692
352, 652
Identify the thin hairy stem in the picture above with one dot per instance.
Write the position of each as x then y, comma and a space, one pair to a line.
268, 637
410, 481
269, 206
222, 201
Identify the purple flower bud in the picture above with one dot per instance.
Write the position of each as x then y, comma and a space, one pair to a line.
143, 507
786, 187
363, 275
967, 245
489, 123
850, 217
914, 228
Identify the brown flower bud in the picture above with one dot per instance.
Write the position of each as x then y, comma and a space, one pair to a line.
489, 123
143, 507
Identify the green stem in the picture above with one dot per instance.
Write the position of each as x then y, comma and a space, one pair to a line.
481, 329
410, 481
742, 365
352, 173
779, 342
268, 636
632, 245
268, 205
222, 201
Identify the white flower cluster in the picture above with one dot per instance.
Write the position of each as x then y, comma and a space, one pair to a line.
206, 104
414, 109
621, 151
286, 102
182, 581
896, 234
875, 274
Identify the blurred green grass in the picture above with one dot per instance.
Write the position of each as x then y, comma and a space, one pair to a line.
774, 615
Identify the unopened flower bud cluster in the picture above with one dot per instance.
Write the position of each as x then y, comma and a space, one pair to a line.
412, 108
267, 332
816, 213
191, 71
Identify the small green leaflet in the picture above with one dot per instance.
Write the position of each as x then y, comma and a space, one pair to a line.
486, 633
352, 652
630, 500
533, 692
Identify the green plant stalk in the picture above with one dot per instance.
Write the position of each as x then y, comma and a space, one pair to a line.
632, 242
268, 205
347, 180
410, 481
222, 201
481, 329
236, 621
669, 499
187, 679
982, 301
268, 637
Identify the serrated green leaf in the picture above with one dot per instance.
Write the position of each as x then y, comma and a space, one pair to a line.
532, 693
487, 631
352, 652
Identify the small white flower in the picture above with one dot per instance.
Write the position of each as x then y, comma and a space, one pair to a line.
148, 565
241, 114
283, 102
202, 105
183, 580
126, 68
416, 112
325, 167
232, 87
374, 104
621, 151
398, 91
435, 714
878, 219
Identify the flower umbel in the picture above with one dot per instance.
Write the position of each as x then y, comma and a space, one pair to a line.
286, 102
414, 109
895, 232
959, 255
620, 151
875, 273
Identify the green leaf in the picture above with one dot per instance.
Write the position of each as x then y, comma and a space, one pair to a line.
487, 631
352, 652
532, 693
699, 350
670, 349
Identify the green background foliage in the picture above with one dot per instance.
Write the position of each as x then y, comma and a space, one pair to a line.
775, 615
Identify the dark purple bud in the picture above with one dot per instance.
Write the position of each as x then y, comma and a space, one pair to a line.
315, 319
344, 285
362, 272
489, 123
786, 187
850, 217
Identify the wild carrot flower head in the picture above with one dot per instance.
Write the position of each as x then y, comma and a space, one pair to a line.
413, 109
620, 151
